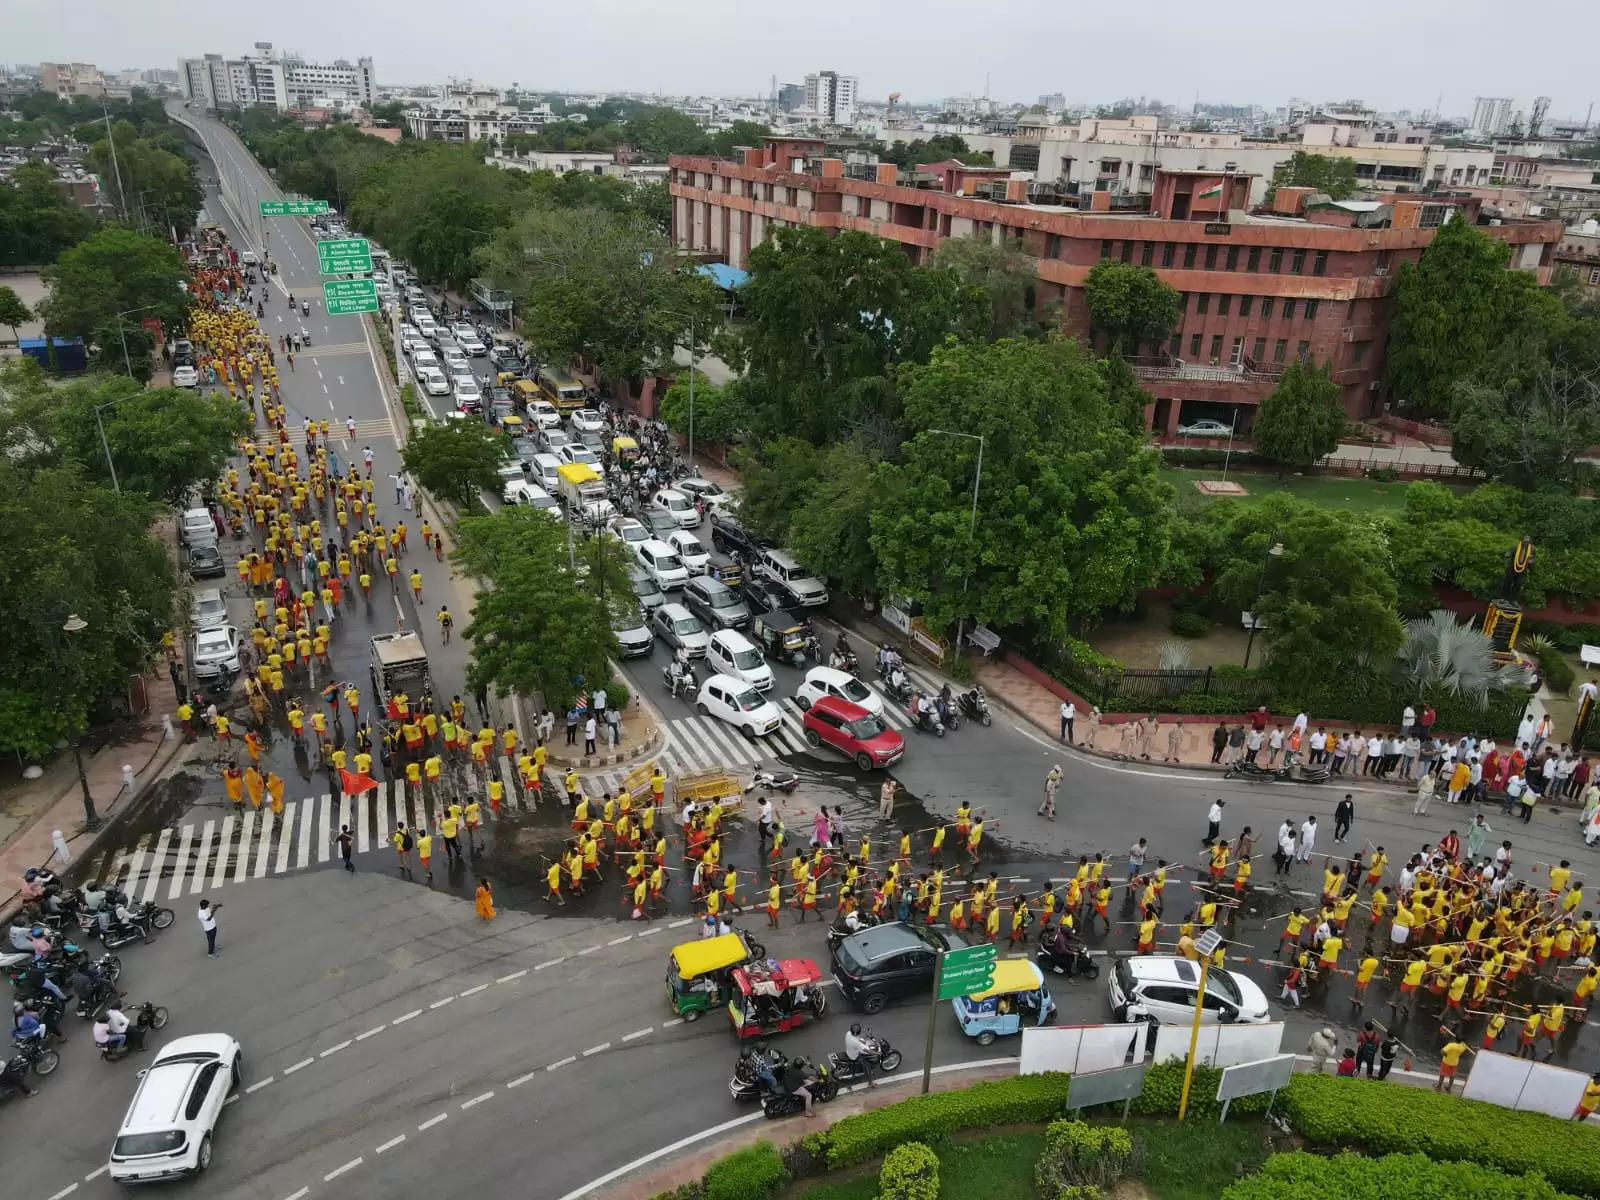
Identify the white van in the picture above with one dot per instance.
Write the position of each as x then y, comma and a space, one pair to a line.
546, 472
731, 653
662, 562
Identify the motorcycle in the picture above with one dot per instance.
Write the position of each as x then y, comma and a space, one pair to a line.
774, 779
946, 708
813, 648
137, 928
838, 931
158, 917
844, 659
745, 1084
687, 686
1288, 773
974, 706
927, 722
898, 685
33, 1051
1075, 962
881, 1057
305, 308
818, 1081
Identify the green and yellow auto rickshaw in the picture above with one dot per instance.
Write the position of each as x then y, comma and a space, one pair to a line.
698, 972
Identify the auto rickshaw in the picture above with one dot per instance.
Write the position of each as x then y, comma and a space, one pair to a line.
1017, 994
729, 574
625, 451
697, 972
506, 379
773, 997
780, 636
513, 426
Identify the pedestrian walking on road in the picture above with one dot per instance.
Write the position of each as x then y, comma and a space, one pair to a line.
1308, 839
1052, 781
1069, 711
886, 795
483, 902
208, 922
614, 726
589, 730
1213, 822
403, 842
1424, 794
1344, 814
346, 840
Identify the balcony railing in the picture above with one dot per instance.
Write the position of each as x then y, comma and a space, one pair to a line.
1151, 368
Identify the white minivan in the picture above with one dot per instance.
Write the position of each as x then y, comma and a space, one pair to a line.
734, 654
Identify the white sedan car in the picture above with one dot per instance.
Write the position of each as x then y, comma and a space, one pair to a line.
531, 495
467, 389
185, 376
739, 704
544, 414
434, 381
694, 555
587, 420
829, 681
1204, 429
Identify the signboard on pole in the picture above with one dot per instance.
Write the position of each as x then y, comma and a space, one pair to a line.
345, 296
965, 971
294, 208
345, 256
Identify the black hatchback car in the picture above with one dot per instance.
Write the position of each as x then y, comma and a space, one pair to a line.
205, 561
888, 961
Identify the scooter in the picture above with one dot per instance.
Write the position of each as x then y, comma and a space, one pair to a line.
687, 685
898, 685
1076, 962
946, 708
974, 706
881, 1057
927, 722
1288, 773
774, 779
305, 308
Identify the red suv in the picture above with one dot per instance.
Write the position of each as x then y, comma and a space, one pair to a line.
852, 730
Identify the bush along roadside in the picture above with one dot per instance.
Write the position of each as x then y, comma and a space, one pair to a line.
1304, 1176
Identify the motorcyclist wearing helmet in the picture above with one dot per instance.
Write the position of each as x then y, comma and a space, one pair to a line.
21, 935
761, 1065
94, 897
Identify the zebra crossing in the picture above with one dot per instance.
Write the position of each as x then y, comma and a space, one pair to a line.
207, 854
366, 431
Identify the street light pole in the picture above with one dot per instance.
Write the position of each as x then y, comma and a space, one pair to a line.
1274, 550
691, 393
91, 819
104, 445
972, 525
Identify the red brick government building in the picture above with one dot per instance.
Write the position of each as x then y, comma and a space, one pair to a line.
1309, 278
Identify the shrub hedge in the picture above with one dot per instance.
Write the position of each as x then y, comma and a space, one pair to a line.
1347, 1113
1077, 1154
1163, 1088
754, 1173
1303, 1176
910, 1172
1189, 624
1027, 1099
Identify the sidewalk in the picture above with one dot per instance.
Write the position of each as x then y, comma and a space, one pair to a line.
31, 810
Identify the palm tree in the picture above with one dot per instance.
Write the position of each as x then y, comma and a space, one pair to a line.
1445, 656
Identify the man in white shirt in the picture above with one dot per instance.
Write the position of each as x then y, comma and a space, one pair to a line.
208, 922
1252, 745
1308, 839
1319, 746
1374, 755
1213, 822
1424, 794
1300, 723
1069, 711
1285, 852
1515, 786
1274, 745
1408, 719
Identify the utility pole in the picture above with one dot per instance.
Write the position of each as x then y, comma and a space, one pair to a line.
111, 137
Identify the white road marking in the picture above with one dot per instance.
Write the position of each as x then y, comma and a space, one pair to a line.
671, 1023
66, 1191
617, 941
390, 1144
571, 1058
466, 1104
256, 1087
179, 861
549, 962
303, 1192
513, 975
520, 1080
344, 1045
682, 923
415, 1012
638, 1033
431, 1122
305, 1062
361, 1037
97, 1172
338, 1171
441, 1003
590, 950
644, 933
597, 1049
230, 1100
473, 991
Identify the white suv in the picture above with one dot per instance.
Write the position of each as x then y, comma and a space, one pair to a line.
663, 563
168, 1127
734, 654
1160, 988
781, 565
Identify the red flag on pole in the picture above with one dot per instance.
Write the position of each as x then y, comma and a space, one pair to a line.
354, 782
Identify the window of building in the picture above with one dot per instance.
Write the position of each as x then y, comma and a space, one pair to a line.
1175, 346
1259, 349
1147, 254
1279, 349
1319, 265
1211, 258
1194, 346
1275, 260
1253, 262
1168, 253
1127, 252
1297, 265
1216, 346
1224, 304
1288, 310
1238, 350
1233, 258
1311, 310
1246, 303
1302, 351
1594, 277
1266, 307
1052, 245
1105, 247
1384, 259
1202, 303
1358, 352
1188, 255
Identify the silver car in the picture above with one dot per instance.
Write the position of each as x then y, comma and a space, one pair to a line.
215, 653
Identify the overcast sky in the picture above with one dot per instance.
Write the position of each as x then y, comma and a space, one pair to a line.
1391, 53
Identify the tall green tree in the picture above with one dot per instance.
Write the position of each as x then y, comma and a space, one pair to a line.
603, 285
13, 311
162, 441
1326, 173
1450, 310
1005, 273
456, 460
1302, 419
155, 182
827, 321
1072, 518
717, 416
538, 625
1130, 305
37, 219
114, 270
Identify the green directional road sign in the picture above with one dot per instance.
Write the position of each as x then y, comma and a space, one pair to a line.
965, 971
294, 208
345, 256
343, 296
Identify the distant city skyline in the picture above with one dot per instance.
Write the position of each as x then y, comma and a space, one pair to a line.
1391, 56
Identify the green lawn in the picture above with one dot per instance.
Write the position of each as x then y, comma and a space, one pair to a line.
1360, 495
1192, 1161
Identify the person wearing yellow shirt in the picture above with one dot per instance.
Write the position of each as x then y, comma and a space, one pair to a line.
1585, 990
425, 851
774, 895
1331, 945
1558, 878
1530, 1034
1364, 974
1290, 941
1492, 1031
497, 794
571, 783
1590, 1100
1147, 934
1449, 1060
991, 923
